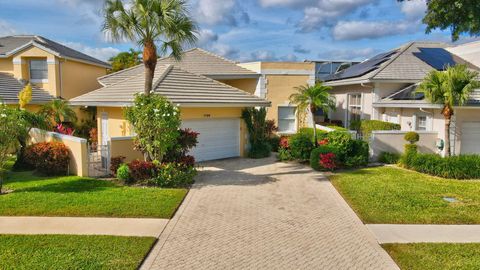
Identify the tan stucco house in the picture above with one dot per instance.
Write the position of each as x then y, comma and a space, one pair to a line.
277, 82
211, 92
54, 70
382, 88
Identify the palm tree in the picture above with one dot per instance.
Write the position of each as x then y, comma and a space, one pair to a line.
313, 98
147, 22
59, 111
450, 88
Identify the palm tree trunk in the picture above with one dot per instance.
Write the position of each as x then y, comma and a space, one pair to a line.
448, 113
150, 62
314, 130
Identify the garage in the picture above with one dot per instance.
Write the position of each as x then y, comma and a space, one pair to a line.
218, 138
470, 138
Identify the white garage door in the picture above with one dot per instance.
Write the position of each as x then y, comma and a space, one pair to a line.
218, 138
470, 137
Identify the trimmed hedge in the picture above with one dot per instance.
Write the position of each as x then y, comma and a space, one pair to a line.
367, 126
315, 155
455, 167
301, 146
321, 134
389, 158
48, 158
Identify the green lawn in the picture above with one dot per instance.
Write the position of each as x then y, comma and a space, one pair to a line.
84, 197
433, 256
394, 195
72, 252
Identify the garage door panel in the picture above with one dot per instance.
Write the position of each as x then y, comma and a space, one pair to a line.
470, 138
218, 138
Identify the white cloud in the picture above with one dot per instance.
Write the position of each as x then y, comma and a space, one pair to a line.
414, 9
354, 30
104, 53
206, 37
213, 12
287, 3
348, 54
6, 29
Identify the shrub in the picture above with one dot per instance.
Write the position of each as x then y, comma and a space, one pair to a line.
367, 126
187, 161
321, 134
316, 157
412, 137
358, 154
389, 158
123, 173
174, 175
186, 141
270, 128
410, 152
257, 130
141, 170
456, 167
301, 146
327, 161
274, 142
260, 150
115, 162
284, 142
49, 158
342, 140
284, 154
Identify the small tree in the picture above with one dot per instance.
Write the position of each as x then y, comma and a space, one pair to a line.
156, 121
25, 96
125, 60
11, 124
58, 111
313, 98
255, 120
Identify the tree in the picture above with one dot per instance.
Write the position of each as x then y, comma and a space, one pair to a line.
450, 88
25, 96
156, 123
147, 22
313, 98
58, 111
255, 120
125, 60
11, 124
460, 16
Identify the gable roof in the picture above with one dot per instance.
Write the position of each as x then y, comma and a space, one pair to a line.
468, 51
402, 64
177, 85
197, 61
10, 45
10, 87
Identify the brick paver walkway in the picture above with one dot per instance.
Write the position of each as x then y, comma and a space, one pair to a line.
257, 214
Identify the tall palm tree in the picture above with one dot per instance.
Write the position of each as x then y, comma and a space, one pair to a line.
147, 22
450, 88
59, 111
313, 98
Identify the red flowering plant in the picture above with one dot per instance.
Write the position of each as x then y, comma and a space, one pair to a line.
327, 161
284, 142
141, 170
60, 128
323, 142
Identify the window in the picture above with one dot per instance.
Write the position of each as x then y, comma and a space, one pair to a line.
354, 108
286, 119
38, 70
421, 122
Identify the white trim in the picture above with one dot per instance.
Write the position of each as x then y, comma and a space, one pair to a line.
18, 61
295, 118
407, 105
39, 80
402, 131
186, 105
51, 61
306, 72
122, 138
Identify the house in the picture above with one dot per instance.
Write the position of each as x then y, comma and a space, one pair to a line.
382, 88
468, 51
325, 68
277, 82
54, 70
211, 92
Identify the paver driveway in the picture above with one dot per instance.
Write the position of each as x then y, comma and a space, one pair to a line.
258, 214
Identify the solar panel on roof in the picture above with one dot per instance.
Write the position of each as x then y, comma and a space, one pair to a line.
362, 68
438, 58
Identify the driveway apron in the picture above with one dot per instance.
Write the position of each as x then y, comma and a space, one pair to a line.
259, 214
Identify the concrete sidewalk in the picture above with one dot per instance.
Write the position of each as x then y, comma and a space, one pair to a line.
83, 226
392, 233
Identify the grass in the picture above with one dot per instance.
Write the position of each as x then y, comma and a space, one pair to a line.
397, 196
84, 197
72, 252
433, 256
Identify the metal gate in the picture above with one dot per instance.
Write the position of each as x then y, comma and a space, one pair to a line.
98, 160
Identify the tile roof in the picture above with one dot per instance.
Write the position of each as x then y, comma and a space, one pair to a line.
197, 61
10, 87
468, 51
179, 86
11, 44
403, 65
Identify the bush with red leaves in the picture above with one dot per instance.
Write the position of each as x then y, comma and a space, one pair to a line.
327, 161
284, 142
141, 170
115, 163
49, 158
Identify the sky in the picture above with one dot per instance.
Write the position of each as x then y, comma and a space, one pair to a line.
242, 30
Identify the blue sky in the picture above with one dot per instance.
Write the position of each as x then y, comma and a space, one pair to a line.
243, 30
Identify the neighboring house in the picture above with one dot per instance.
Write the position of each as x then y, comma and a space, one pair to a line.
54, 70
382, 88
325, 68
277, 82
210, 90
468, 51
